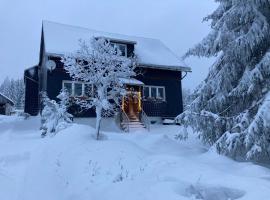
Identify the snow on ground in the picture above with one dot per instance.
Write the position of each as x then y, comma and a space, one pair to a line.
145, 166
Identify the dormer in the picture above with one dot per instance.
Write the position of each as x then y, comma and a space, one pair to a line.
125, 46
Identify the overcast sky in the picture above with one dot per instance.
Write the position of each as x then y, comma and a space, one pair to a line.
178, 23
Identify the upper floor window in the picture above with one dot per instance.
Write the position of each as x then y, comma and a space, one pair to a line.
154, 92
121, 47
78, 89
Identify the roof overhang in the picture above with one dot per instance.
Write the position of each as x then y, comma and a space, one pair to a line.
131, 81
5, 99
171, 68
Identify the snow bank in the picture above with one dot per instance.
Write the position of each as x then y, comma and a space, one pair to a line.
72, 165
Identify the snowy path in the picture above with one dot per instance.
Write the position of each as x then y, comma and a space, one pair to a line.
138, 166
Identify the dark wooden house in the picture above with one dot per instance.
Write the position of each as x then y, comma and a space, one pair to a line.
158, 88
6, 105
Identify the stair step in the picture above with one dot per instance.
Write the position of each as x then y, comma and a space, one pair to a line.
131, 123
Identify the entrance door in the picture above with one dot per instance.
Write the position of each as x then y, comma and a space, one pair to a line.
132, 103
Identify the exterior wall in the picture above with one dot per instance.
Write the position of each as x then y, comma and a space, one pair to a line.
31, 104
6, 105
2, 109
54, 86
171, 80
6, 109
9, 109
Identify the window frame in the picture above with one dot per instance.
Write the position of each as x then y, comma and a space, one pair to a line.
114, 44
73, 87
157, 96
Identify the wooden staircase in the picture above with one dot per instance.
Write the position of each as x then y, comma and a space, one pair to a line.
133, 122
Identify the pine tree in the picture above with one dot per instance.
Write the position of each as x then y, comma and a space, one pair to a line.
14, 89
232, 106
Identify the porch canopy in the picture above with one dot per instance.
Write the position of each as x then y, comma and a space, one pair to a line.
131, 81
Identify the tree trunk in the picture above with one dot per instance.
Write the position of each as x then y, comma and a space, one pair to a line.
98, 121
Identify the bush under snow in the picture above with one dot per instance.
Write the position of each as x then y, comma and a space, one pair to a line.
54, 116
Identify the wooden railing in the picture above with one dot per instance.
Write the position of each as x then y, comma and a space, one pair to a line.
124, 120
145, 120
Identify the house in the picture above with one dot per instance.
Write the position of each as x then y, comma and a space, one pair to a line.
158, 88
6, 105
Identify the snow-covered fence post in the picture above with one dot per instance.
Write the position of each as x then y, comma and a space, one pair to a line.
100, 64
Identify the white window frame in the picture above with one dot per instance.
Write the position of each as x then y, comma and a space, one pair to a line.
120, 44
157, 87
73, 87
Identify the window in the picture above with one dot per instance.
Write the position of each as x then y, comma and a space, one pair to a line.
68, 86
121, 47
160, 93
146, 92
154, 92
76, 88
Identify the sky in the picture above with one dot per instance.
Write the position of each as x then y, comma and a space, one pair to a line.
178, 23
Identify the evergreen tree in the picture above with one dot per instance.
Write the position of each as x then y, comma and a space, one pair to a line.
54, 116
232, 106
14, 89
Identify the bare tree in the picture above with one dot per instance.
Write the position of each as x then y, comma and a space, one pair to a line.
101, 65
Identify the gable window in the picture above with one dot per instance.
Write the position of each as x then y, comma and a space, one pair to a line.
121, 47
154, 92
78, 89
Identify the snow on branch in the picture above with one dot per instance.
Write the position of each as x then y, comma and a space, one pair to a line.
100, 64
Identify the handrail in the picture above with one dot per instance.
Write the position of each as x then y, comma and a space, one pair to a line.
125, 119
145, 120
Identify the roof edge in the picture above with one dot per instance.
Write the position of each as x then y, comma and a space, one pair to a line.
11, 101
166, 67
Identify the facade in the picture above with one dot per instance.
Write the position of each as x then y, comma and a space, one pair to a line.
6, 105
156, 91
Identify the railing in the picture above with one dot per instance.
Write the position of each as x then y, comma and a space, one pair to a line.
124, 120
145, 120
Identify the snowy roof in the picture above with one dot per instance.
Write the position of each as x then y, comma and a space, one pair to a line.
5, 99
61, 39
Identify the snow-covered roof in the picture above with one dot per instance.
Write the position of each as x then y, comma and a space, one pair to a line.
5, 99
61, 39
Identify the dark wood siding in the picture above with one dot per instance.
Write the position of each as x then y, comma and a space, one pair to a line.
54, 86
2, 109
171, 80
31, 91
